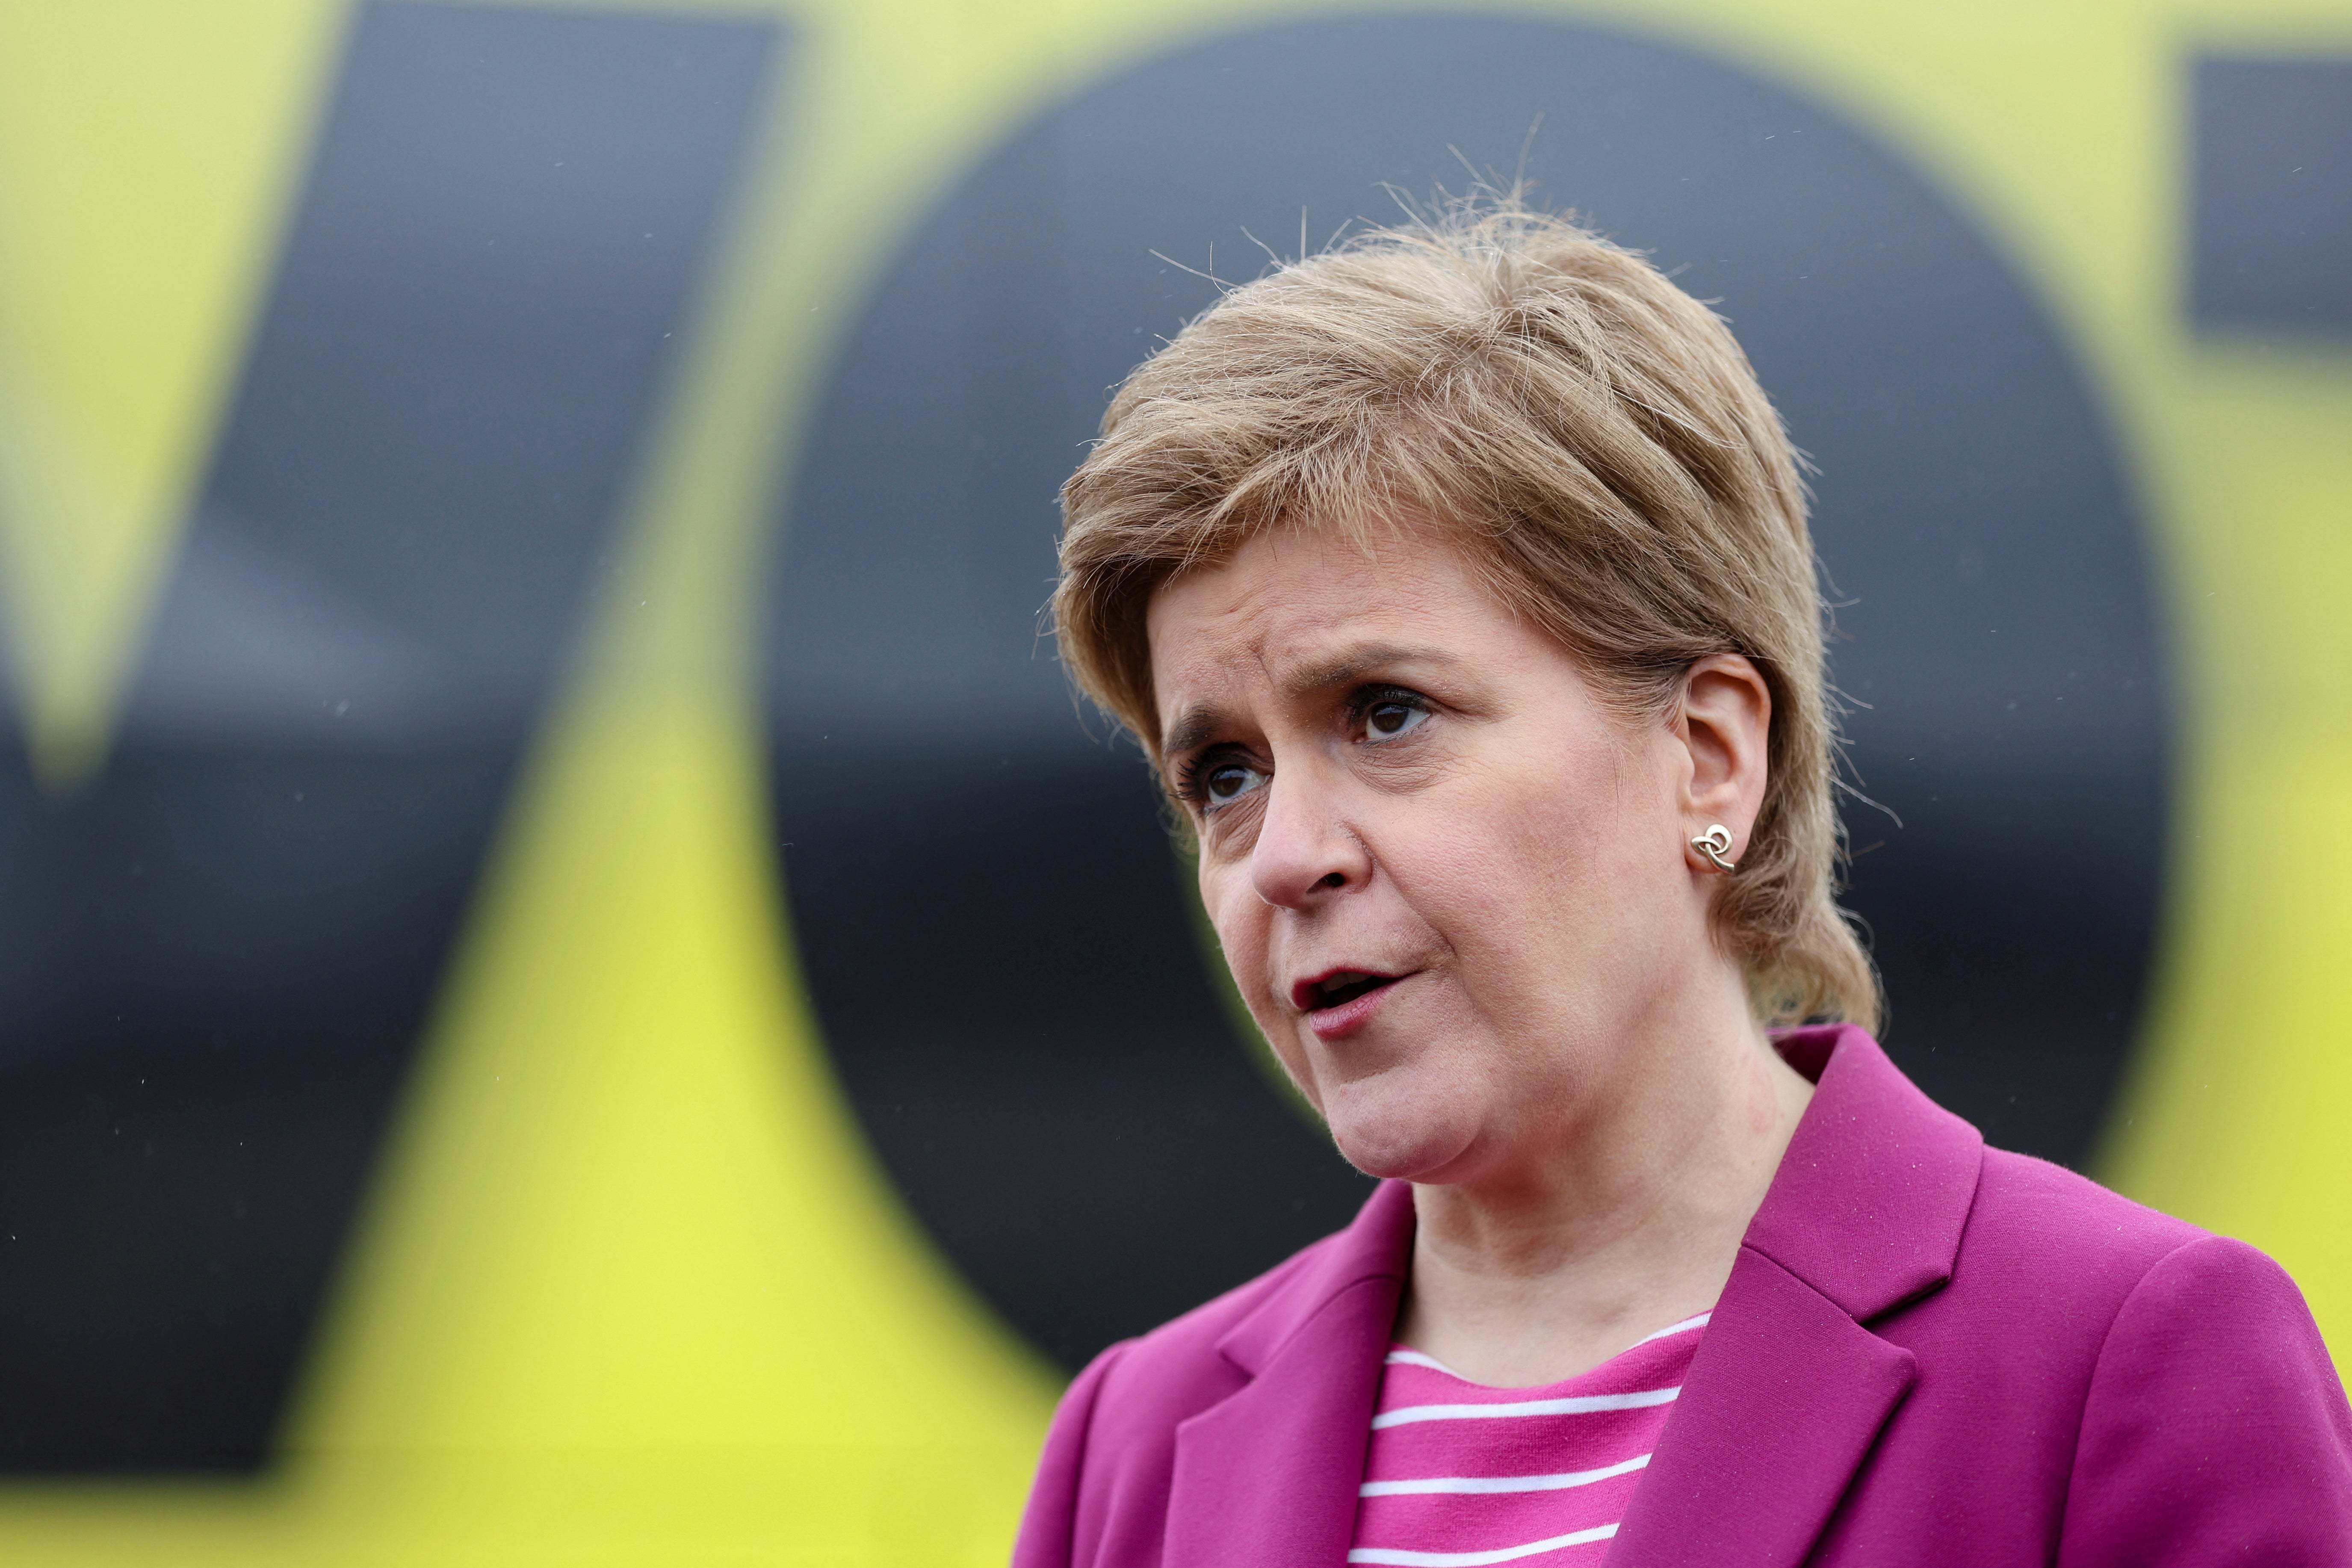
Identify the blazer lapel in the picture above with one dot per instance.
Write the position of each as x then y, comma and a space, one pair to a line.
1789, 1388
1270, 1474
1783, 1400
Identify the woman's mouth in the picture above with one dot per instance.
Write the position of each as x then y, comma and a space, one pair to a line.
1342, 1001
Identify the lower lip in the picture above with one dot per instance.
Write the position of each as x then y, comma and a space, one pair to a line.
1351, 1016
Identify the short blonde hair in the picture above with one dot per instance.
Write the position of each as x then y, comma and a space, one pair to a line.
1589, 435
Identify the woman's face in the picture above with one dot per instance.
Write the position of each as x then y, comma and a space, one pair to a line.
1454, 888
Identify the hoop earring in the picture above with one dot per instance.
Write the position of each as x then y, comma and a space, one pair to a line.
1712, 843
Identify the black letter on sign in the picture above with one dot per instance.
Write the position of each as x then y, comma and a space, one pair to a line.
216, 958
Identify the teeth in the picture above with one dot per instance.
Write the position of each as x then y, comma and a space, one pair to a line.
1347, 977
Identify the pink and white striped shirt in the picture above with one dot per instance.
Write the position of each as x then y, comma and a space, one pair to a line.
1460, 1475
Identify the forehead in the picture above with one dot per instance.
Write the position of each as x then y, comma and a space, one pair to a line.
1285, 599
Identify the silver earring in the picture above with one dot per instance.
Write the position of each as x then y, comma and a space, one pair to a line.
1712, 843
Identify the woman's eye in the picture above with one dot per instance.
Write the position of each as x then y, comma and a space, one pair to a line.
1222, 782
1392, 717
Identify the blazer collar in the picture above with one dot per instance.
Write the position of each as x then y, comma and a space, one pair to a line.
1789, 1389
1869, 1202
1270, 1474
1376, 1246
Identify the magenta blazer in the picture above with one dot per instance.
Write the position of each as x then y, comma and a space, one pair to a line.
1928, 1352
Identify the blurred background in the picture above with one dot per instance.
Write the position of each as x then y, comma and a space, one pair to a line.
573, 986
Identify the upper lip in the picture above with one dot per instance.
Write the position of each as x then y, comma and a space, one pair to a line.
1314, 991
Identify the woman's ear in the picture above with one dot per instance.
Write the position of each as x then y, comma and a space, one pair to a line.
1724, 724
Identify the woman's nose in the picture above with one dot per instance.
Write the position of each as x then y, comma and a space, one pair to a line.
1304, 850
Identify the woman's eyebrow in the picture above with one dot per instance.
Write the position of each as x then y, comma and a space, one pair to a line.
1192, 727
1352, 664
1196, 726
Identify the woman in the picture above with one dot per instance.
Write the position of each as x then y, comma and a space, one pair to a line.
1457, 583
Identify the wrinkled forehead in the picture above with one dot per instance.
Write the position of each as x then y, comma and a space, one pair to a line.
1282, 593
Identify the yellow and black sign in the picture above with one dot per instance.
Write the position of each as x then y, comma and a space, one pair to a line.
574, 987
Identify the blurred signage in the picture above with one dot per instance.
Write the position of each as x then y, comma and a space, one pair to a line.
573, 978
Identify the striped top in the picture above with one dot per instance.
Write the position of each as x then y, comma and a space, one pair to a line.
1460, 1475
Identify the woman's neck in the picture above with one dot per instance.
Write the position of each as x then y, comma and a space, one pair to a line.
1614, 1223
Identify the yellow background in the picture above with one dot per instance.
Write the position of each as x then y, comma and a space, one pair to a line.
628, 1288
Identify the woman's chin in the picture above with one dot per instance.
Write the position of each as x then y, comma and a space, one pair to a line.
1412, 1146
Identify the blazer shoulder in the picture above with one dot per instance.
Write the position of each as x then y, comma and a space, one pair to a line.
2035, 1216
2215, 1428
2046, 1259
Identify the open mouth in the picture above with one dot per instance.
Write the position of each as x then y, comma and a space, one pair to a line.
1338, 989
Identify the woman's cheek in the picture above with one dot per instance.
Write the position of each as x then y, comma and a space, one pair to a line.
1241, 937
